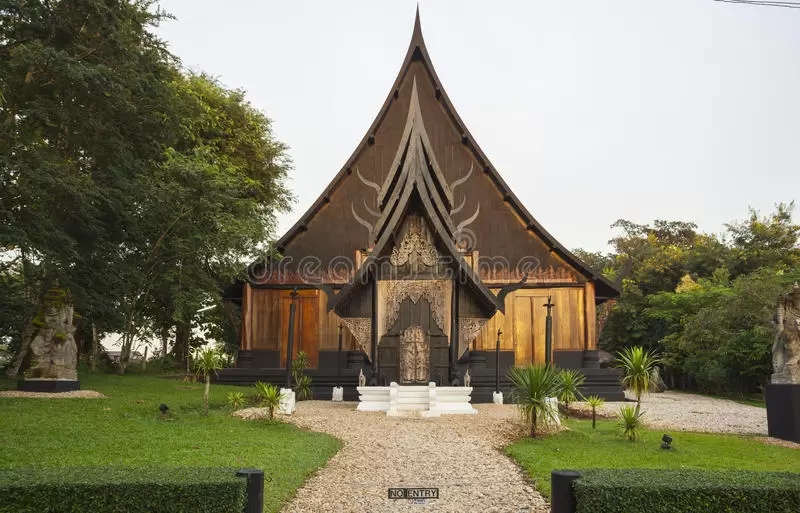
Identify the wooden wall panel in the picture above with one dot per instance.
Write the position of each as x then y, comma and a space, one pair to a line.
306, 325
523, 329
525, 320
590, 317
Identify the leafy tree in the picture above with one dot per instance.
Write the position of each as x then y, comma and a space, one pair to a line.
595, 402
768, 241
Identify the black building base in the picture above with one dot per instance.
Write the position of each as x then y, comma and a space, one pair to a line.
783, 412
48, 385
263, 366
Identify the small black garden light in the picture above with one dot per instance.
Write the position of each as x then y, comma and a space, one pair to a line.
163, 408
667, 442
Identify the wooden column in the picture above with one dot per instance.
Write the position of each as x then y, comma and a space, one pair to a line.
590, 318
247, 317
374, 332
454, 331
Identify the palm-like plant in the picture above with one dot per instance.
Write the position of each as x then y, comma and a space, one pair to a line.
302, 383
532, 385
595, 402
235, 400
207, 361
641, 371
571, 381
270, 397
630, 421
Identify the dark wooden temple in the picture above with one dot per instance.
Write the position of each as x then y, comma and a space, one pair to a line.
417, 254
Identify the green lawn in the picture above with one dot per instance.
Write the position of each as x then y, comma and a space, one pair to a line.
126, 429
582, 447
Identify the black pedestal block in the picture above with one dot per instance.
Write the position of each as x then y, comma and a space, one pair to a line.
48, 385
783, 412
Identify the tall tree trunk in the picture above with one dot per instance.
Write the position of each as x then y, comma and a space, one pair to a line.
181, 347
205, 397
164, 341
94, 348
144, 360
28, 332
533, 424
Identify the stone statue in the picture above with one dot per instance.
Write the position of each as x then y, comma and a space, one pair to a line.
786, 350
467, 379
53, 352
362, 380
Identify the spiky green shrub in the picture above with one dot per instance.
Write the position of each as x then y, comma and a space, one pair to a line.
571, 382
269, 396
640, 369
235, 400
531, 386
302, 383
595, 402
630, 420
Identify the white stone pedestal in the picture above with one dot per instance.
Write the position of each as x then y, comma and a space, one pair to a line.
416, 400
551, 416
338, 394
287, 405
497, 397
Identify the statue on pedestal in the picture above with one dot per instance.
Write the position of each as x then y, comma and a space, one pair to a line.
786, 350
53, 354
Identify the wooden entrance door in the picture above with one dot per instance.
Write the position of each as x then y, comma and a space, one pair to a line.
306, 326
414, 356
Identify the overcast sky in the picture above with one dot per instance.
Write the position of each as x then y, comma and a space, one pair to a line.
591, 110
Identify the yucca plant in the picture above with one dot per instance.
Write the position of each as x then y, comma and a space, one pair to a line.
531, 385
571, 382
302, 383
205, 362
595, 402
630, 421
641, 371
302, 388
235, 400
269, 396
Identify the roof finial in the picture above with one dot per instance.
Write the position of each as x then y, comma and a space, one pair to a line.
417, 37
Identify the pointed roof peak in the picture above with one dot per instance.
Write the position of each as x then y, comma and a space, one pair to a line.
416, 38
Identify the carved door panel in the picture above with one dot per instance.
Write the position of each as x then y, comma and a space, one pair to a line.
414, 356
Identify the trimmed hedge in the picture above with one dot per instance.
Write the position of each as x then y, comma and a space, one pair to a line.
686, 490
121, 490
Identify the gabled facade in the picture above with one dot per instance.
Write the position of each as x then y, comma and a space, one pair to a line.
421, 253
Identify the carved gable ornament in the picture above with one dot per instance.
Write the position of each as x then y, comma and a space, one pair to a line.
436, 292
414, 247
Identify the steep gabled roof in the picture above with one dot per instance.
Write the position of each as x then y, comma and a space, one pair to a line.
417, 176
418, 52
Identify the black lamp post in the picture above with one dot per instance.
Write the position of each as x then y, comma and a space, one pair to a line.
339, 359
548, 331
497, 363
290, 342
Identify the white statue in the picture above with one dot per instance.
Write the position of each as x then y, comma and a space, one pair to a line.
786, 350
362, 380
467, 378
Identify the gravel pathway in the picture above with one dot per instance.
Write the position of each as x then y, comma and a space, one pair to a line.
459, 454
691, 412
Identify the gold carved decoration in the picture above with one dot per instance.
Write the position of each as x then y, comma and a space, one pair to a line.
434, 291
414, 355
360, 328
414, 247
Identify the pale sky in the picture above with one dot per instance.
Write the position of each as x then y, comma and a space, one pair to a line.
591, 110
